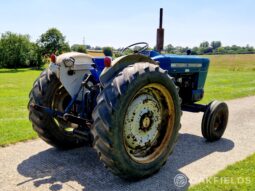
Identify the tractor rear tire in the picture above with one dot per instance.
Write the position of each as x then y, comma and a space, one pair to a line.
46, 89
215, 121
136, 121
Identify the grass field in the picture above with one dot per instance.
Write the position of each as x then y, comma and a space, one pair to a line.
240, 176
230, 76
14, 89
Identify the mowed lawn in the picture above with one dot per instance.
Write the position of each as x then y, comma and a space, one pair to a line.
236, 177
230, 76
14, 89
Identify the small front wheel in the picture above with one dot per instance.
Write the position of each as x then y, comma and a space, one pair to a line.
215, 121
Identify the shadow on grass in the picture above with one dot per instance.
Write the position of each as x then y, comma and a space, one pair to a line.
82, 165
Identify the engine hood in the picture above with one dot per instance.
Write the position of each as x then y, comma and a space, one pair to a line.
175, 62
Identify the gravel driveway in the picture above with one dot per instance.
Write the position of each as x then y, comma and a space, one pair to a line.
34, 165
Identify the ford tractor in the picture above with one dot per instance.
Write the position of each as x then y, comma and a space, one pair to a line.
128, 108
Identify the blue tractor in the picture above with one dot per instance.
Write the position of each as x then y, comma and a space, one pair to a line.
128, 108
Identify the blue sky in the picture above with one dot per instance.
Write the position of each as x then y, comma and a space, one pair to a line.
119, 23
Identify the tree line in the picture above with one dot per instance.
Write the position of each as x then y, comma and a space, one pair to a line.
17, 50
215, 47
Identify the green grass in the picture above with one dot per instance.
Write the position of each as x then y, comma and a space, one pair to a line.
230, 76
237, 177
226, 85
14, 88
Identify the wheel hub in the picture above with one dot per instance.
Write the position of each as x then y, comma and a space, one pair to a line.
148, 123
142, 121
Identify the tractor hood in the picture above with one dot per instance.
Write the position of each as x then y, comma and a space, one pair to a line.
182, 63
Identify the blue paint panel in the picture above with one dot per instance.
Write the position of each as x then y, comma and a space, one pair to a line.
99, 61
95, 73
168, 59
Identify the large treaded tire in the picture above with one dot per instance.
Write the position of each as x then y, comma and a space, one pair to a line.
108, 115
46, 126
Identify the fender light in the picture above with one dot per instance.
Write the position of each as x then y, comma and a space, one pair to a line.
69, 62
107, 62
53, 58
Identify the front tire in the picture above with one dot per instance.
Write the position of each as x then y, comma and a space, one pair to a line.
215, 121
48, 91
136, 121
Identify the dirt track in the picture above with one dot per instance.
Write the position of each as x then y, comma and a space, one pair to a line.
36, 166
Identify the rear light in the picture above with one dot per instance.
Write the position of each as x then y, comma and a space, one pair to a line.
53, 58
107, 62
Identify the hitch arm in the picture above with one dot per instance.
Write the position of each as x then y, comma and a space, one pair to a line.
47, 110
65, 116
77, 120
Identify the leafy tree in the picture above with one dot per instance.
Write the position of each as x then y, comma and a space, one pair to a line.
88, 47
208, 50
98, 48
194, 51
204, 44
79, 48
17, 51
107, 51
36, 59
220, 50
250, 49
169, 48
215, 44
53, 41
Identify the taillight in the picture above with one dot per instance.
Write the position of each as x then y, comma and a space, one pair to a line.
107, 62
53, 58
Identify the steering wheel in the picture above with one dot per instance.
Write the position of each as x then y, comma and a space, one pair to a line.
144, 47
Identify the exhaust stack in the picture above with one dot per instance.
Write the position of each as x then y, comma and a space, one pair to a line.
160, 33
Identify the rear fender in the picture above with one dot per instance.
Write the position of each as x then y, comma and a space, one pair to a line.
120, 63
71, 76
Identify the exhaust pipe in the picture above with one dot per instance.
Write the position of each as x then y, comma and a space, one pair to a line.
160, 33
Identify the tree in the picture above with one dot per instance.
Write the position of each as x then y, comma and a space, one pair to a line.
249, 49
17, 51
204, 44
208, 50
79, 48
220, 50
215, 44
107, 51
36, 59
53, 41
169, 48
195, 51
98, 48
88, 47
